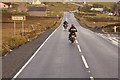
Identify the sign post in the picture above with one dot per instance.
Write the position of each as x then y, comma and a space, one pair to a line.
19, 18
14, 28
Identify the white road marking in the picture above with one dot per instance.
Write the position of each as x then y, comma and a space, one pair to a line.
76, 41
83, 58
84, 61
33, 56
6, 55
92, 78
66, 19
89, 71
79, 48
113, 40
63, 28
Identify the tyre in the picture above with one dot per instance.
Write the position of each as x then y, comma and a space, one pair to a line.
72, 40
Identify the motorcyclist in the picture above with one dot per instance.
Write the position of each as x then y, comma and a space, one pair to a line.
72, 30
65, 23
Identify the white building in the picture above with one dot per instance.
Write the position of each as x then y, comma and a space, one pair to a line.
97, 9
36, 2
110, 14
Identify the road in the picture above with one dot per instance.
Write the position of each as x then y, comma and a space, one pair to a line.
91, 56
77, 4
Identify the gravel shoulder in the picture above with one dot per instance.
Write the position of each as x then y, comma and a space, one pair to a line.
14, 60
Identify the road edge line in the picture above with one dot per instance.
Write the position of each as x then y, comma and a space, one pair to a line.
16, 75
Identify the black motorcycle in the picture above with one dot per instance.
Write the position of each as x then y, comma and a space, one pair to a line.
72, 37
65, 26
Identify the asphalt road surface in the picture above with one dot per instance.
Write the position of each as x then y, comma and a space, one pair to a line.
91, 56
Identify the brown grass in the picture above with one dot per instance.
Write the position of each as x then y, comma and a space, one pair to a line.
9, 41
40, 25
98, 22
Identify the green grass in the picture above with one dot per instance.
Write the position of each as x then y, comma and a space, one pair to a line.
54, 14
57, 24
57, 8
10, 42
60, 7
105, 4
101, 23
98, 15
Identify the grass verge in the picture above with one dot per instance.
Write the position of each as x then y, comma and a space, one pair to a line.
15, 41
99, 24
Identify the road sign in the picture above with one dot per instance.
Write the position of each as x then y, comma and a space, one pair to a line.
18, 18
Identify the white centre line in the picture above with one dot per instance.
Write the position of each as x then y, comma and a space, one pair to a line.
79, 48
83, 58
92, 78
84, 61
76, 41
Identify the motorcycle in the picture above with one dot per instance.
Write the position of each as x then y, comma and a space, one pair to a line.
72, 38
65, 26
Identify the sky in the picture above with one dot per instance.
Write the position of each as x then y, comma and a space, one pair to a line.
102, 0
61, 0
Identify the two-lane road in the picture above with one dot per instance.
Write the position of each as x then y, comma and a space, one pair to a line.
58, 58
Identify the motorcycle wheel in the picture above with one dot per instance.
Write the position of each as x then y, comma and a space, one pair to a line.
72, 40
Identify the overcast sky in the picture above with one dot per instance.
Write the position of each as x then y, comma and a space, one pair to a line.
102, 0
61, 0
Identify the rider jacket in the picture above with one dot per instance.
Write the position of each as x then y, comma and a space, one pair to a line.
65, 22
72, 30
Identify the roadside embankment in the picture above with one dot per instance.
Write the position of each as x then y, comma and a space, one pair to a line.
33, 27
102, 26
99, 22
13, 61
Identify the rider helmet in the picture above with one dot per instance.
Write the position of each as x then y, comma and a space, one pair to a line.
72, 25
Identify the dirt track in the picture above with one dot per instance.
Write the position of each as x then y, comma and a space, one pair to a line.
19, 56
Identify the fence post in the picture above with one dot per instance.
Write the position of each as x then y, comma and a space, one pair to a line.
115, 28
